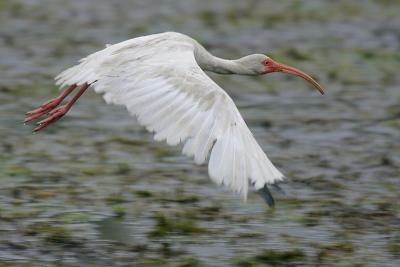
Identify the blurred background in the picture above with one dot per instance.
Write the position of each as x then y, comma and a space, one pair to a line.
95, 190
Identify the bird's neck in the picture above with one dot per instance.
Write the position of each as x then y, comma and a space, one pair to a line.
208, 62
225, 66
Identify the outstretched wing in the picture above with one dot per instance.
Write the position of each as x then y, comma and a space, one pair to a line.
161, 83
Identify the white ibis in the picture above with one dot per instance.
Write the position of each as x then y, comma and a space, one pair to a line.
160, 79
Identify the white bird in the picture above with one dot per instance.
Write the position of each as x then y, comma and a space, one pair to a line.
160, 79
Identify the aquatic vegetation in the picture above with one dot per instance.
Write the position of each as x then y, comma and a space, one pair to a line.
175, 224
51, 233
272, 257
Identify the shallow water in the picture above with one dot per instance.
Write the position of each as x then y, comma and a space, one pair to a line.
95, 190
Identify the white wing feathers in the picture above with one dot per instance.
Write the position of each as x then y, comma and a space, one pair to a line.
161, 83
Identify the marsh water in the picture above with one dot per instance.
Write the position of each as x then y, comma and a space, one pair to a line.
96, 190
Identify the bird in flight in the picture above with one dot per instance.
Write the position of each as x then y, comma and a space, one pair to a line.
160, 79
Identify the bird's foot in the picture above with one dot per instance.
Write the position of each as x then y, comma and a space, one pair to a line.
266, 194
54, 115
43, 109
51, 107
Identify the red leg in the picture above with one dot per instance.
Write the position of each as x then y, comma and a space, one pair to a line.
57, 113
49, 105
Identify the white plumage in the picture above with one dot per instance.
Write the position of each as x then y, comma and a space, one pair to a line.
159, 80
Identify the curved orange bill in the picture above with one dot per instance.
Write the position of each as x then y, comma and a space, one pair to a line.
291, 70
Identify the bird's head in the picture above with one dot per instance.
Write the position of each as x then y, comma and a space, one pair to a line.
262, 64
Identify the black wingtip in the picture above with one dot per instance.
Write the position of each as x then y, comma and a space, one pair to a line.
266, 194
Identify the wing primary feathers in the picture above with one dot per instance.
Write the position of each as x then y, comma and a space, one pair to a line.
266, 194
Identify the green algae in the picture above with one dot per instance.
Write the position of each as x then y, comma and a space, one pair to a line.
143, 193
272, 257
176, 224
209, 18
127, 141
74, 217
51, 233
